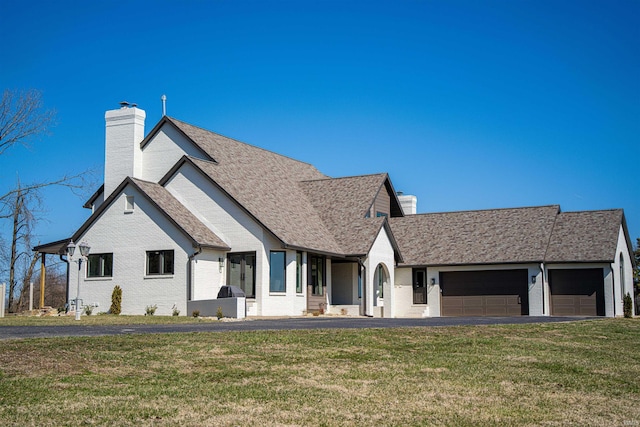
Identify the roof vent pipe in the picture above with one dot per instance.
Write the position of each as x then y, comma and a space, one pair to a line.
164, 105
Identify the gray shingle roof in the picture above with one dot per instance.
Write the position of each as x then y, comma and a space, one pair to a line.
180, 215
266, 184
342, 204
305, 209
168, 205
587, 236
475, 237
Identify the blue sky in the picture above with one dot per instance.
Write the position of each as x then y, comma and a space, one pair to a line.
466, 104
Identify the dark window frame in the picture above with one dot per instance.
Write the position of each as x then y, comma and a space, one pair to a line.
165, 263
243, 256
299, 281
380, 284
283, 288
105, 265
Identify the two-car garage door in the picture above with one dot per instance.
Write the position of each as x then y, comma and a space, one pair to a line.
485, 293
574, 292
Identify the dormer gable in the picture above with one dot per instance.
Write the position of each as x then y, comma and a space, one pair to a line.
164, 146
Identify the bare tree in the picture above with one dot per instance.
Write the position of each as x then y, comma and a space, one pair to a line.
22, 117
55, 291
23, 222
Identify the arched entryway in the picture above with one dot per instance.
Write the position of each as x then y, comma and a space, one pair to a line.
380, 284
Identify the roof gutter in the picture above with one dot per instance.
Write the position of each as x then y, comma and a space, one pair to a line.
315, 251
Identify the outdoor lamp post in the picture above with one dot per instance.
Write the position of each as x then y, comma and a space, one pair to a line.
84, 252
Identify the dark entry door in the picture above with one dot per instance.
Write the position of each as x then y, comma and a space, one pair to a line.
577, 292
241, 269
419, 286
316, 285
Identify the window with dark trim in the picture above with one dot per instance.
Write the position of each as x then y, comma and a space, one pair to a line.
277, 271
299, 272
316, 274
100, 265
159, 263
241, 272
380, 281
379, 214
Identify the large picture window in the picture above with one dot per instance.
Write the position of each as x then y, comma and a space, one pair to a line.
159, 263
277, 275
100, 265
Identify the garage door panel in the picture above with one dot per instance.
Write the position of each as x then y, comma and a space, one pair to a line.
577, 292
472, 311
496, 300
485, 293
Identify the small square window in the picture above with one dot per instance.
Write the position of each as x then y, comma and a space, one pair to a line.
100, 265
159, 263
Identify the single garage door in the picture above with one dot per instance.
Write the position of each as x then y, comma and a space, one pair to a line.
485, 293
577, 292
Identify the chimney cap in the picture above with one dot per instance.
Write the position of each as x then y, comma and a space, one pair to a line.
124, 104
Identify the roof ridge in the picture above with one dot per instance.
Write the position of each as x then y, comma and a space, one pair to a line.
483, 210
345, 177
594, 210
146, 181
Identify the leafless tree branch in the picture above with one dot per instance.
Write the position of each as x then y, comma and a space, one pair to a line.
22, 117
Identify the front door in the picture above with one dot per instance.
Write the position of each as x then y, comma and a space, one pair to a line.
241, 272
419, 286
316, 284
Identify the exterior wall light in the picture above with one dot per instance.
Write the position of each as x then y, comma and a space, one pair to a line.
433, 281
221, 263
533, 280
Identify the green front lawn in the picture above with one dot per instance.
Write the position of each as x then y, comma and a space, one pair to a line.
558, 374
106, 319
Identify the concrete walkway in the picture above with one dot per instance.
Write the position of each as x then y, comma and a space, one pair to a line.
18, 332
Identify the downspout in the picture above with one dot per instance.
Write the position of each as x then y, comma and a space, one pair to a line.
613, 287
543, 287
363, 276
190, 272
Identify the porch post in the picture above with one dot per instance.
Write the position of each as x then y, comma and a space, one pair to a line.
328, 282
3, 294
43, 271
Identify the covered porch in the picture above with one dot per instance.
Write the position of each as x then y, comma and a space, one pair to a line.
358, 289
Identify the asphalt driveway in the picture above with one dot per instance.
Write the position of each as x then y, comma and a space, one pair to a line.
18, 332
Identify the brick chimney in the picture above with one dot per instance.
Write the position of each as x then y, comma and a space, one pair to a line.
408, 202
123, 156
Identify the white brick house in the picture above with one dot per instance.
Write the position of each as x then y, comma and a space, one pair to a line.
184, 211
